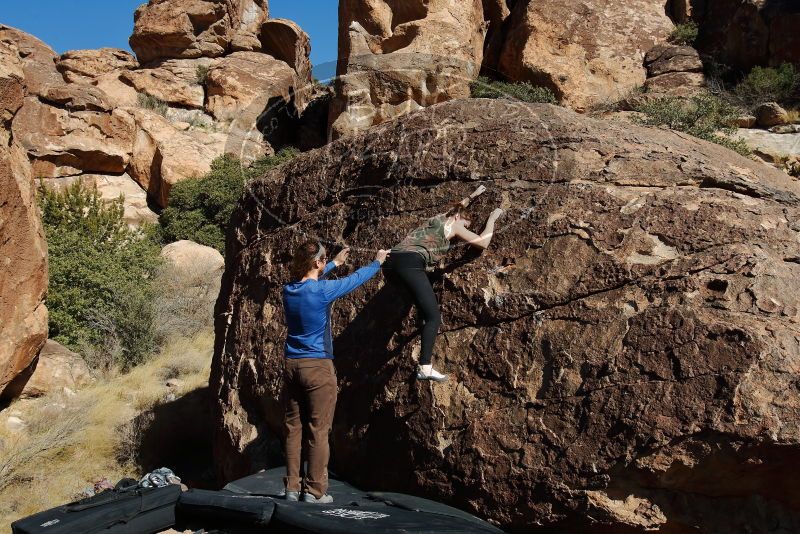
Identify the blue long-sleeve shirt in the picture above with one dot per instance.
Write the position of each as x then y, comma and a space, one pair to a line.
307, 306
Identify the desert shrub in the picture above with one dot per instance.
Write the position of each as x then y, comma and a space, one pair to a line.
484, 87
705, 116
199, 210
148, 101
100, 295
684, 33
767, 84
201, 74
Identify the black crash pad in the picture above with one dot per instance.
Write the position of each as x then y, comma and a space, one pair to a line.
355, 511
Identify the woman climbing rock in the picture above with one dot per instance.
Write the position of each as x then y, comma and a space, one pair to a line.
309, 388
421, 250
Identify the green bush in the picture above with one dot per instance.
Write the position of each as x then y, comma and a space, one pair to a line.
148, 101
201, 74
705, 116
199, 210
769, 84
100, 295
484, 87
684, 33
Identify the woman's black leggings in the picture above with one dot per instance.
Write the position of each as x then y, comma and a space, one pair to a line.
409, 267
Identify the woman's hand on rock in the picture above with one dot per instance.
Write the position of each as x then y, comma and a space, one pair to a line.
381, 255
496, 214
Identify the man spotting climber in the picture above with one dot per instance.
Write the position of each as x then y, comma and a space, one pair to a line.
309, 385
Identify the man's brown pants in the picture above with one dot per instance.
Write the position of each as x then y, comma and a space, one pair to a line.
309, 397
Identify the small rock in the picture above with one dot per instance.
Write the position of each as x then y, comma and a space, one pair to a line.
771, 114
745, 121
785, 129
68, 392
182, 125
174, 383
15, 424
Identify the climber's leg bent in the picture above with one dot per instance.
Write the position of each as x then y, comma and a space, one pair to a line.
410, 268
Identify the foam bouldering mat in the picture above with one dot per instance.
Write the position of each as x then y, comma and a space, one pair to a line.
356, 511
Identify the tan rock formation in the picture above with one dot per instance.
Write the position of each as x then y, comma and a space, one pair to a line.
64, 143
283, 39
623, 357
166, 29
162, 155
37, 60
586, 52
399, 56
673, 71
23, 257
174, 81
244, 83
57, 368
84, 66
193, 273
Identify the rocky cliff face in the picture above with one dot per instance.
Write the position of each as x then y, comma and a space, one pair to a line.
743, 34
587, 52
206, 73
23, 251
397, 56
624, 355
196, 28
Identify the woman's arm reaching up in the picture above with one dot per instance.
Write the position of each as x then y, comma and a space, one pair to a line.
478, 241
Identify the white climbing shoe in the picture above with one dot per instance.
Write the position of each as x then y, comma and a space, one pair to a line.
427, 372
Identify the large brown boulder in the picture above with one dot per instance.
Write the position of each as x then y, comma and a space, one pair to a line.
23, 250
398, 56
23, 256
624, 354
165, 29
745, 33
587, 52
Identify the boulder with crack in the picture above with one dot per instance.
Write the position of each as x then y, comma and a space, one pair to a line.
623, 356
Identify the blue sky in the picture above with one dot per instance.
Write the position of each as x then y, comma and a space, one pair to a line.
76, 24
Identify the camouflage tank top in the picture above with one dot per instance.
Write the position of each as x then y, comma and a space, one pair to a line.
429, 240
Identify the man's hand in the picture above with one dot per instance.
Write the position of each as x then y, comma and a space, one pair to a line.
381, 255
341, 257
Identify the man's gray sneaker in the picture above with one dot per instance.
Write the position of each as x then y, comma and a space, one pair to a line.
325, 499
292, 496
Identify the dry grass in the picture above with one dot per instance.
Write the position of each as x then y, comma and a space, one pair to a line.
65, 449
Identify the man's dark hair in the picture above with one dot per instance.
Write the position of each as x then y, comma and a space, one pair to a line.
303, 259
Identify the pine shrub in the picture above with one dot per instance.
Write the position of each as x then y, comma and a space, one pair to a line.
705, 116
199, 210
484, 87
100, 295
767, 84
